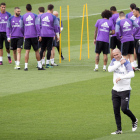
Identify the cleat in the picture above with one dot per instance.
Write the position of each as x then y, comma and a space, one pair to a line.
41, 68
134, 69
9, 59
26, 69
104, 69
15, 67
48, 66
96, 69
62, 57
1, 63
137, 69
43, 64
117, 132
54, 64
134, 125
18, 67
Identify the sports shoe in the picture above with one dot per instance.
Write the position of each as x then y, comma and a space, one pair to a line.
104, 69
48, 66
135, 64
137, 69
9, 59
41, 68
18, 67
95, 69
62, 57
26, 69
117, 132
134, 69
1, 63
134, 125
54, 64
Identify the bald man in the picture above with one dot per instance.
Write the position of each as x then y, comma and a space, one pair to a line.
56, 43
123, 72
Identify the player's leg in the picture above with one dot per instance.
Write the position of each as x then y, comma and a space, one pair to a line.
112, 46
43, 59
106, 51
1, 49
53, 53
98, 49
131, 52
116, 100
34, 43
135, 54
7, 45
49, 48
58, 49
14, 48
138, 55
27, 47
19, 47
125, 97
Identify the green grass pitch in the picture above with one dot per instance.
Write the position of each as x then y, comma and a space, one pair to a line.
68, 102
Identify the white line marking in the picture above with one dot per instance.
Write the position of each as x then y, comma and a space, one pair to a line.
94, 14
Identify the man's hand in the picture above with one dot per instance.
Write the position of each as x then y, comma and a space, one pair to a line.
118, 79
8, 39
57, 39
123, 61
94, 41
40, 39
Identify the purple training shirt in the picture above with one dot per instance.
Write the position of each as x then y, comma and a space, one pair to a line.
104, 27
13, 27
28, 24
3, 21
48, 25
115, 18
125, 27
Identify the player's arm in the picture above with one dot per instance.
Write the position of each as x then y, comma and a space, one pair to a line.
56, 25
130, 73
95, 34
126, 15
38, 26
136, 26
61, 25
112, 67
117, 29
112, 27
8, 29
22, 25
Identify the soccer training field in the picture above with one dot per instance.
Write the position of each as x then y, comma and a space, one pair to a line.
68, 102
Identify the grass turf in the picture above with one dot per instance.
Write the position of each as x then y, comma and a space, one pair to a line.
68, 102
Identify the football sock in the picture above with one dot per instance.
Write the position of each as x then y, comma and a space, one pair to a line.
104, 67
47, 61
52, 61
39, 64
26, 65
8, 54
15, 62
132, 64
18, 63
96, 66
0, 58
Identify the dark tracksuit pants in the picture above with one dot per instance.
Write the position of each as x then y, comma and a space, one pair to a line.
121, 100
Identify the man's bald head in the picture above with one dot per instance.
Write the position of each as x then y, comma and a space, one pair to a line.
117, 54
116, 50
55, 13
